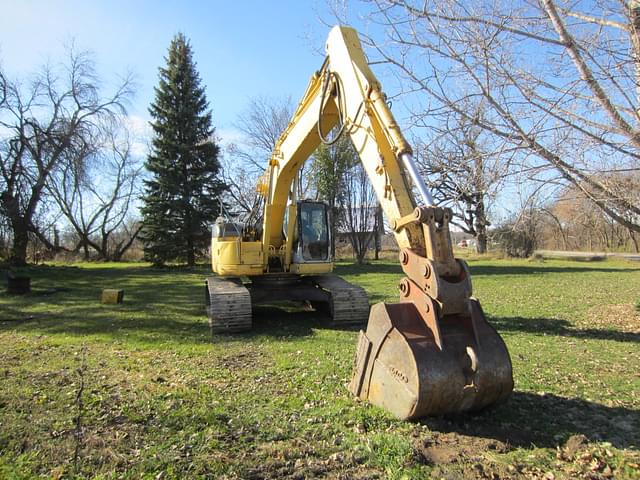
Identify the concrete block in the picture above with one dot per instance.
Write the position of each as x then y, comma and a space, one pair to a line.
112, 296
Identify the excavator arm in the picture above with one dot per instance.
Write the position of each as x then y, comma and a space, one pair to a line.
434, 352
344, 88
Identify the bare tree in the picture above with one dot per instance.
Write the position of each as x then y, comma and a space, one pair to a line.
585, 227
329, 169
559, 79
463, 172
339, 179
96, 194
521, 233
49, 123
261, 124
359, 210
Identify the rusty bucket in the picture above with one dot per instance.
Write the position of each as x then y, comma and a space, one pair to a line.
403, 367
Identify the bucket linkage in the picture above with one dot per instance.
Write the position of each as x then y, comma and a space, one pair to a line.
434, 352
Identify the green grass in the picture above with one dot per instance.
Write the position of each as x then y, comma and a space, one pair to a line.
141, 389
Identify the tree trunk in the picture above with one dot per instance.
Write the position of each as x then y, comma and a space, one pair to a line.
361, 254
104, 247
191, 255
481, 243
190, 230
361, 245
379, 231
634, 17
332, 225
122, 247
18, 257
356, 246
18, 254
116, 254
481, 227
632, 235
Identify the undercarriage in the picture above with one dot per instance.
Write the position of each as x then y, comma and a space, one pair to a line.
230, 299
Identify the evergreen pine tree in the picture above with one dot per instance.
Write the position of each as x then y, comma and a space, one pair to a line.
181, 196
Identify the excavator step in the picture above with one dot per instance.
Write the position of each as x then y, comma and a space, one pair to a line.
228, 305
349, 303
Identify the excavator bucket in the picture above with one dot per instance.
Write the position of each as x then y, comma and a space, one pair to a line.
416, 368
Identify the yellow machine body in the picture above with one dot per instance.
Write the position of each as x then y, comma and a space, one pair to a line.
234, 257
432, 353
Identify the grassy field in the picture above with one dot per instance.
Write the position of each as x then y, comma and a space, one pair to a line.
141, 390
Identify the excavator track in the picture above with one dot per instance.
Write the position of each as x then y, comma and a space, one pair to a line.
349, 304
228, 305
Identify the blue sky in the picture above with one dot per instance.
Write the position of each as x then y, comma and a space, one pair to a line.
243, 49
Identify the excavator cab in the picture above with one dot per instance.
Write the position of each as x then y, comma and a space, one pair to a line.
313, 241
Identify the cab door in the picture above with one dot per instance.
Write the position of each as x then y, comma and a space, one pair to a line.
313, 242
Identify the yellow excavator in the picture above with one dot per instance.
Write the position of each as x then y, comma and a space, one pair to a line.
432, 353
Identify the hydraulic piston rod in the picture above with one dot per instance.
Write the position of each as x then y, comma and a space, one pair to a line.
416, 178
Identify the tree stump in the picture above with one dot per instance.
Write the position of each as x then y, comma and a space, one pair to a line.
18, 284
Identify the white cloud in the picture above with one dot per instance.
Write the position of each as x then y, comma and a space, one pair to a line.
138, 125
140, 133
228, 136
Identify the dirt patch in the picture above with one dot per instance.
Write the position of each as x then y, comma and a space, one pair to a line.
242, 360
440, 454
444, 448
624, 317
297, 459
480, 431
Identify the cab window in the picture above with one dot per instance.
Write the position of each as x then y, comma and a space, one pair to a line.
314, 232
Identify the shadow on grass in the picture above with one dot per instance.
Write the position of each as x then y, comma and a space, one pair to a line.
560, 328
278, 321
380, 297
491, 270
380, 268
275, 321
528, 419
80, 322
396, 269
183, 322
168, 305
159, 305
